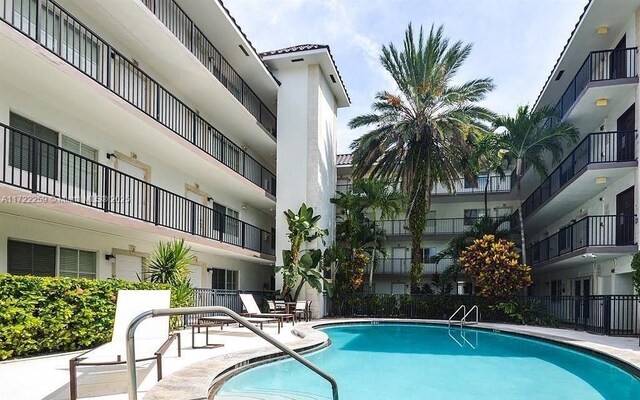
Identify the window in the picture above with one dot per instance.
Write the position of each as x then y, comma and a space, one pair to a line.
556, 289
471, 183
77, 263
80, 48
78, 171
225, 279
30, 259
427, 255
226, 220
21, 146
471, 216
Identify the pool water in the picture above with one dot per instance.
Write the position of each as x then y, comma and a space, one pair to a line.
396, 361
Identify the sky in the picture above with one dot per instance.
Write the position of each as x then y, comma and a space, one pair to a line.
515, 42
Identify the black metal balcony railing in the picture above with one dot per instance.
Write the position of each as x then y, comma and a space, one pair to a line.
174, 18
32, 164
601, 230
435, 226
598, 66
600, 147
63, 35
402, 266
497, 184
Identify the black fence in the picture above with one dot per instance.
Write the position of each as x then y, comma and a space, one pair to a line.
402, 266
436, 226
62, 34
225, 298
598, 66
592, 231
41, 167
179, 23
607, 314
596, 148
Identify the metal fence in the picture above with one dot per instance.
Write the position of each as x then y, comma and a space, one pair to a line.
59, 32
226, 298
41, 167
617, 315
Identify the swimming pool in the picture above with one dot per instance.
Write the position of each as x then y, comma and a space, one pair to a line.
411, 361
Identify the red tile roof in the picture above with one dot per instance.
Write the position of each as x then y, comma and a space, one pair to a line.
343, 159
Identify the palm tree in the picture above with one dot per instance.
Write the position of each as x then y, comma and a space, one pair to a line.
488, 156
379, 198
528, 138
419, 135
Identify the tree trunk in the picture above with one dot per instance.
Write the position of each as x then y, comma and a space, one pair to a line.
299, 288
373, 253
486, 195
417, 221
523, 250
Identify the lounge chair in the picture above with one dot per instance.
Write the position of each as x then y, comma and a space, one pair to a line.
152, 338
254, 311
225, 320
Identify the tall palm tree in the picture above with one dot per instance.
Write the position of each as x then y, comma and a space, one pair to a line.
380, 199
488, 156
529, 138
419, 135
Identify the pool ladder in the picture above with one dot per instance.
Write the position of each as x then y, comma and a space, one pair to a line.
463, 321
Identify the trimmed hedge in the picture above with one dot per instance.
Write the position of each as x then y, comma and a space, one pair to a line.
44, 315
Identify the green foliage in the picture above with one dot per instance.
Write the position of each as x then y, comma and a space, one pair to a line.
495, 267
169, 264
170, 261
419, 131
635, 274
349, 276
528, 312
300, 265
44, 315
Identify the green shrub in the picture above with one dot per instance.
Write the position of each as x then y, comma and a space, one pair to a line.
43, 315
635, 271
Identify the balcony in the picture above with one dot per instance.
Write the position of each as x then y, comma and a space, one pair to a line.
42, 168
183, 27
602, 154
434, 227
601, 236
599, 69
99, 61
497, 184
402, 266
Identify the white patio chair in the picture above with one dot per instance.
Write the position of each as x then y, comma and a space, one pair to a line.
152, 338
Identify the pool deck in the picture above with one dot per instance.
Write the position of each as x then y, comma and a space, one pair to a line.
190, 376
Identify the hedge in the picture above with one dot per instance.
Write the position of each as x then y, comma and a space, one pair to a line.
40, 315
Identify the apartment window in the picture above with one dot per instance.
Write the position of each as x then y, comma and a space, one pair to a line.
233, 222
226, 220
21, 146
80, 48
471, 216
427, 255
225, 279
471, 183
30, 259
79, 169
77, 263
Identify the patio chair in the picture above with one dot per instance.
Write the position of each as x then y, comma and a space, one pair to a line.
301, 310
254, 311
152, 338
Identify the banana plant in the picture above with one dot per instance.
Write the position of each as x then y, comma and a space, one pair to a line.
301, 264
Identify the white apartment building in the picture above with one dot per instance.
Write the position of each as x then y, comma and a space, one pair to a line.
127, 122
449, 216
580, 222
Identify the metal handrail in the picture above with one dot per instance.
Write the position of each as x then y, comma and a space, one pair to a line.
464, 311
164, 312
464, 318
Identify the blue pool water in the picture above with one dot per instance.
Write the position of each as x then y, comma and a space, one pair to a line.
394, 361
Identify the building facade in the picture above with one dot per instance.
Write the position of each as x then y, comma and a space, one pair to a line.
581, 221
127, 123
